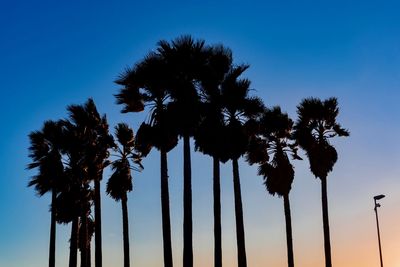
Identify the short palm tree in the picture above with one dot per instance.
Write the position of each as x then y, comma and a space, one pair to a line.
146, 84
270, 149
120, 182
240, 110
316, 124
46, 154
208, 134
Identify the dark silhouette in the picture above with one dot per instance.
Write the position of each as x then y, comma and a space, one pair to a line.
315, 125
376, 206
186, 58
240, 110
46, 154
269, 148
120, 182
97, 142
209, 133
146, 84
88, 149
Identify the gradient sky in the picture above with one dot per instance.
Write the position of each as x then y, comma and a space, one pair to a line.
53, 54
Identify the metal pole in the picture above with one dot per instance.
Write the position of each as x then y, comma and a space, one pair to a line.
377, 227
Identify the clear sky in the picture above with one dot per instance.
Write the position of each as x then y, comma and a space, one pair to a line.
56, 53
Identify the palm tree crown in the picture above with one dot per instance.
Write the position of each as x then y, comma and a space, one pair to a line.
315, 126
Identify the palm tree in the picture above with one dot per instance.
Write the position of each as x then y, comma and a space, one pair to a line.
315, 126
120, 181
90, 145
97, 143
75, 194
240, 110
208, 135
269, 149
46, 155
186, 60
146, 84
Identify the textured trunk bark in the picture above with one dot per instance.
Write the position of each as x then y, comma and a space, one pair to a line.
97, 220
217, 213
325, 219
52, 246
289, 238
125, 230
165, 211
73, 247
241, 247
187, 205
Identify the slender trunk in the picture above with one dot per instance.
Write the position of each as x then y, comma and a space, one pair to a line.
241, 247
187, 205
89, 255
165, 212
125, 230
73, 247
289, 239
52, 247
83, 234
217, 213
97, 220
325, 219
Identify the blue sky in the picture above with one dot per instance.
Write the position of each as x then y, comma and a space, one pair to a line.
56, 54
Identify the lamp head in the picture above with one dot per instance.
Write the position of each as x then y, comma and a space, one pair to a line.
379, 197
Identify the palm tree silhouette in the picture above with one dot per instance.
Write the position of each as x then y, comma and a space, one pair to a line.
208, 135
315, 126
120, 181
97, 153
46, 154
91, 150
269, 149
240, 110
146, 84
186, 59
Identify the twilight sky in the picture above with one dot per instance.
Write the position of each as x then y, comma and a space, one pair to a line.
53, 54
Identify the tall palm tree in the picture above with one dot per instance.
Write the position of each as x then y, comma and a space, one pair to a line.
146, 84
91, 152
270, 150
120, 182
316, 124
46, 155
208, 135
75, 193
97, 153
240, 110
186, 59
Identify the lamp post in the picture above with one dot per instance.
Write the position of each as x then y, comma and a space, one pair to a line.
377, 205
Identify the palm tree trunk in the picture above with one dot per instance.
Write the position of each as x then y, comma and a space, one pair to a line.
83, 240
52, 246
289, 239
89, 255
165, 212
73, 247
325, 220
187, 205
97, 220
125, 230
217, 213
240, 238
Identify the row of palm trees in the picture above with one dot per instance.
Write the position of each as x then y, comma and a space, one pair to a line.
191, 90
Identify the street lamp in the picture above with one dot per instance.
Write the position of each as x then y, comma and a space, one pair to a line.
377, 205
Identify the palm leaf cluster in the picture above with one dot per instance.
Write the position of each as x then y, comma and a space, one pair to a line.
70, 156
189, 89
